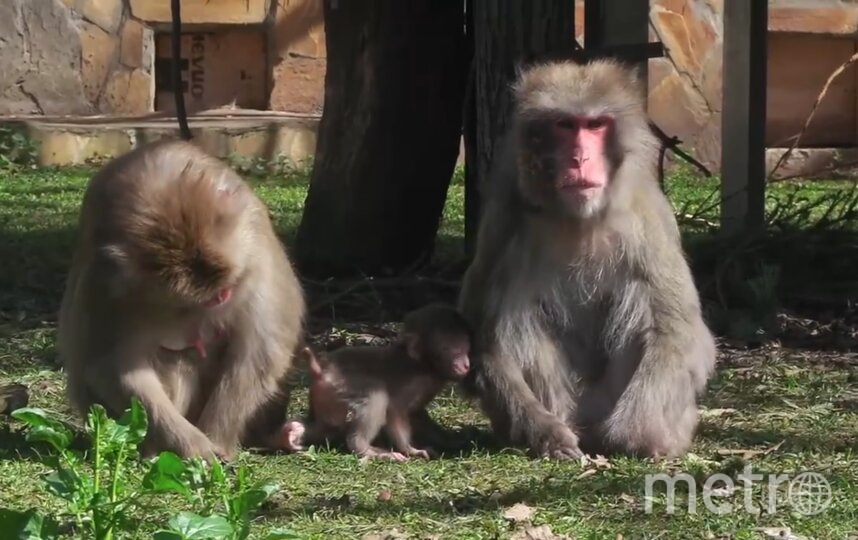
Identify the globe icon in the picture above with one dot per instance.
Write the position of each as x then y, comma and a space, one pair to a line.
809, 493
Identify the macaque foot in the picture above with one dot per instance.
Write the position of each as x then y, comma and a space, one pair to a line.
376, 453
425, 453
291, 436
559, 442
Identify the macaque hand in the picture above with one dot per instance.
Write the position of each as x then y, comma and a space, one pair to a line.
559, 442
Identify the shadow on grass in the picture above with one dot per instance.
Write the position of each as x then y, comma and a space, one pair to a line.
536, 492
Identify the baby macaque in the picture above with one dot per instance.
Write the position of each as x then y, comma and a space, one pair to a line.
355, 391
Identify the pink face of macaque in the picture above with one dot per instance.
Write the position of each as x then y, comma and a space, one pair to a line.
458, 361
196, 334
582, 174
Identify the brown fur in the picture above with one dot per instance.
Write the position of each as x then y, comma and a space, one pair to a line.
587, 320
357, 391
163, 229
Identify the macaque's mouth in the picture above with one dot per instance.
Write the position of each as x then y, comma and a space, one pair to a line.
578, 183
460, 370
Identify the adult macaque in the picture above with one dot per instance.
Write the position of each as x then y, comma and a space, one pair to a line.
588, 327
180, 294
357, 391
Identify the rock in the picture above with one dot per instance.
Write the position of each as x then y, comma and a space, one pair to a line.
706, 145
687, 37
711, 82
98, 54
678, 108
105, 13
50, 76
818, 20
137, 45
202, 11
128, 92
299, 28
658, 70
298, 85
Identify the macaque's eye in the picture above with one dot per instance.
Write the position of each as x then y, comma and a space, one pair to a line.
566, 123
596, 123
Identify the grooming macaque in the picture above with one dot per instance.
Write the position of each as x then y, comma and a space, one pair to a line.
180, 294
357, 391
588, 326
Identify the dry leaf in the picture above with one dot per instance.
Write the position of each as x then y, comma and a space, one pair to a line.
518, 512
745, 453
625, 497
392, 534
775, 447
585, 474
780, 533
542, 532
715, 412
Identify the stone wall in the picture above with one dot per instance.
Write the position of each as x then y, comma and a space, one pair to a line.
80, 57
808, 40
85, 57
73, 57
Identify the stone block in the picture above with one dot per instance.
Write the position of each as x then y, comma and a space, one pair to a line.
658, 69
687, 37
128, 92
98, 54
50, 75
677, 107
833, 20
203, 11
105, 13
298, 85
58, 148
798, 67
299, 28
711, 77
137, 45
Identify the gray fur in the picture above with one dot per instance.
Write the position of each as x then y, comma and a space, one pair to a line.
586, 326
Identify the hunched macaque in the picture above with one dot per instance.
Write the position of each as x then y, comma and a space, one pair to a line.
180, 294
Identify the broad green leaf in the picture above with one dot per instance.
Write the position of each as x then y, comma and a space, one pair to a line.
64, 483
250, 500
135, 421
29, 525
168, 535
195, 527
167, 475
96, 418
43, 428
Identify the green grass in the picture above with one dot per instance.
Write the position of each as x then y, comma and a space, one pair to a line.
795, 407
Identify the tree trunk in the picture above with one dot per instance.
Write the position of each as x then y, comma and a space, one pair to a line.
508, 34
388, 138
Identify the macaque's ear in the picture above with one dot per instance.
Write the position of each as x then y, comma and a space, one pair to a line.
119, 260
412, 344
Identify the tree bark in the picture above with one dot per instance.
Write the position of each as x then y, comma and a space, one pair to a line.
509, 34
388, 138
